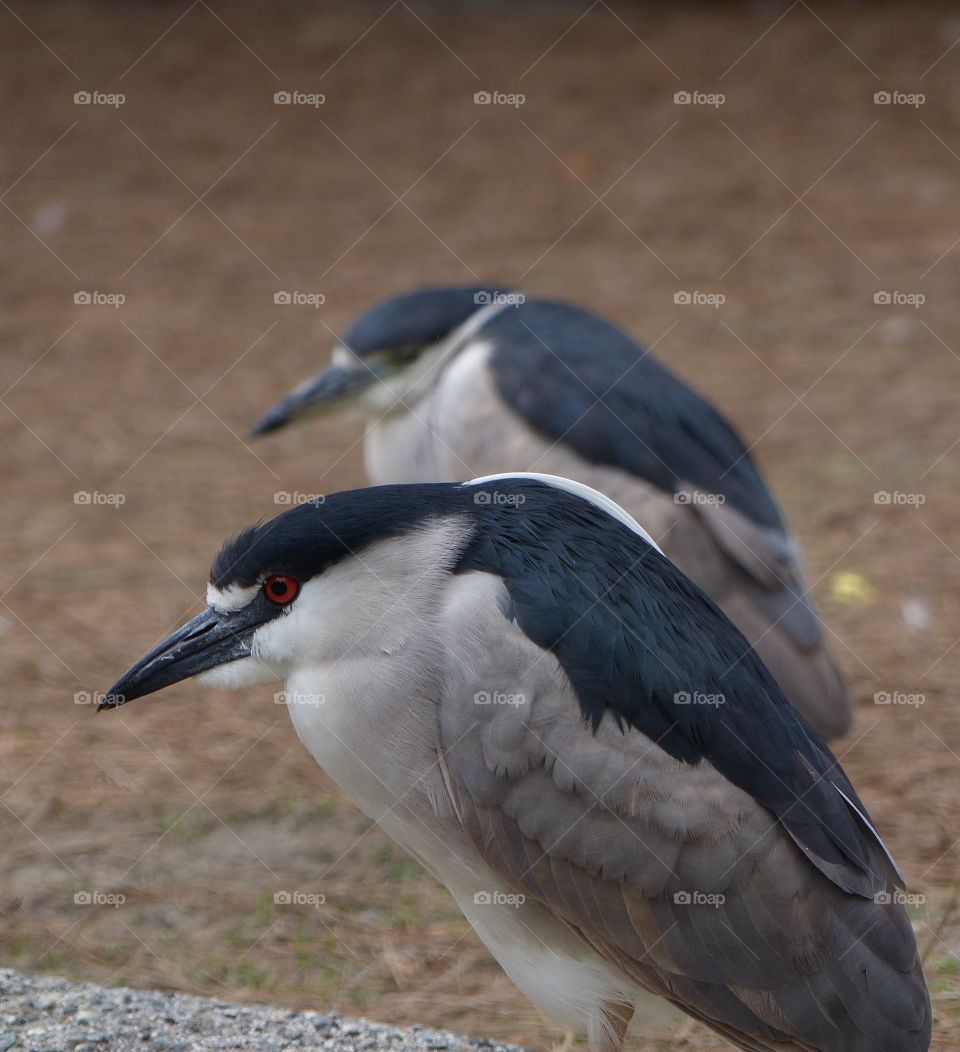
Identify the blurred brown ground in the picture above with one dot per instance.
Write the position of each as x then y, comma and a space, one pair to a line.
197, 807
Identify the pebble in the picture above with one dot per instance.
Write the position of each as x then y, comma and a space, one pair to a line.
44, 1014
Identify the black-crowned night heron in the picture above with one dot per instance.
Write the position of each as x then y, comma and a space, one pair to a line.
533, 701
459, 382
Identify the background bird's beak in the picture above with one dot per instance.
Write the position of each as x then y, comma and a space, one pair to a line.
329, 388
210, 639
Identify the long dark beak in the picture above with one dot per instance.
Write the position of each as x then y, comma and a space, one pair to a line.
210, 639
325, 390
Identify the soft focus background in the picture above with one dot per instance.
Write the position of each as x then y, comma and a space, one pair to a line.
148, 846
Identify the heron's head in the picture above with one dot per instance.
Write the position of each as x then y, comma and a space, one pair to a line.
388, 353
343, 578
357, 579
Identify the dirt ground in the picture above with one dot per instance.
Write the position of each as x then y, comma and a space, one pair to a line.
797, 197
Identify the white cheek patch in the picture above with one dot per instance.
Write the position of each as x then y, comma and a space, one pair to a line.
232, 598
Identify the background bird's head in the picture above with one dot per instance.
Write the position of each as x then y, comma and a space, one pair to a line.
390, 353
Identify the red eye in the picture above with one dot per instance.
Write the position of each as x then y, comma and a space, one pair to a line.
280, 589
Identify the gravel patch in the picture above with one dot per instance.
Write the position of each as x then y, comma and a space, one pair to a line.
44, 1014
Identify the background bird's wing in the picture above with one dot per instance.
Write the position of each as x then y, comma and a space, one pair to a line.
668, 869
577, 379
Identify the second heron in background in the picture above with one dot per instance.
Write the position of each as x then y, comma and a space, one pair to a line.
469, 381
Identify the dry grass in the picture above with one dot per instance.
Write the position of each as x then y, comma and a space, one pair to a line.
198, 809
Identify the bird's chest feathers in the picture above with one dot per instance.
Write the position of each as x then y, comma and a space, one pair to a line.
372, 726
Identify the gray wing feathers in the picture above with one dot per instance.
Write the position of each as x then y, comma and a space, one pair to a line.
669, 871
